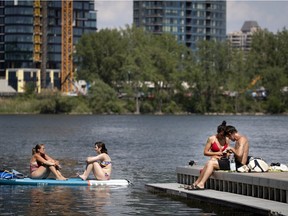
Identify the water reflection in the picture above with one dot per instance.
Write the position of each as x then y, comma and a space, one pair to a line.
51, 200
34, 201
93, 200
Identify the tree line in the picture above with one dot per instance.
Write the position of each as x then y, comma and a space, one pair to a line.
131, 70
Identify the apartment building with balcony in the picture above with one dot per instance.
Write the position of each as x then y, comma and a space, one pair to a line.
18, 36
242, 39
189, 21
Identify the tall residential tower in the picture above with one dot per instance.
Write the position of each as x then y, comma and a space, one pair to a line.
32, 29
189, 21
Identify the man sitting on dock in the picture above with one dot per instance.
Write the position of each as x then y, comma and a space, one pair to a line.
241, 151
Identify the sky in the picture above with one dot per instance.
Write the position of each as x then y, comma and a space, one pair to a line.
270, 15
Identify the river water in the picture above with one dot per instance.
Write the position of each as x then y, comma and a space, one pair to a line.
144, 149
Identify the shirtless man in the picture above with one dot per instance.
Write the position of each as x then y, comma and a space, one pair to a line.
241, 151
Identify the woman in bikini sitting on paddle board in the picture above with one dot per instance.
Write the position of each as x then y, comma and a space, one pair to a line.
100, 165
41, 164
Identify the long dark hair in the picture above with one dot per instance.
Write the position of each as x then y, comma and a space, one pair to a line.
221, 127
102, 146
36, 148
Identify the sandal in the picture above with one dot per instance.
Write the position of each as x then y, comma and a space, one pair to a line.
198, 188
189, 187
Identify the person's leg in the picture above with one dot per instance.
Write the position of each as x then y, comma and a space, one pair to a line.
211, 166
201, 174
57, 174
98, 172
87, 171
41, 173
60, 174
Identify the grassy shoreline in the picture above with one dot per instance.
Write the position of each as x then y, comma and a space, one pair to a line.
57, 104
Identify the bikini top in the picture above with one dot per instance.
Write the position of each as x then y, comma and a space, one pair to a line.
104, 163
215, 147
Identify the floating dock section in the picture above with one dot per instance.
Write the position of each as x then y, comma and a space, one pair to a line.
262, 193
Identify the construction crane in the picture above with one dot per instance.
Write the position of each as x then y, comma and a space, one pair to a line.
40, 42
37, 36
253, 82
67, 46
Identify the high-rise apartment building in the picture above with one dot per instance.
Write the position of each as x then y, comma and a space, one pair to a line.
19, 20
242, 39
189, 21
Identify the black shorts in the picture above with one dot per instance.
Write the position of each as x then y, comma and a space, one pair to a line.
224, 163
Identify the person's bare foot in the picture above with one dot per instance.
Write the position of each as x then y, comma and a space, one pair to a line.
62, 178
81, 176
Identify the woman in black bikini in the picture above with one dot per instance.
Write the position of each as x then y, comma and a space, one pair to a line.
100, 165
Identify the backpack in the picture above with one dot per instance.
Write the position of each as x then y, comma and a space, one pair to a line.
258, 165
13, 174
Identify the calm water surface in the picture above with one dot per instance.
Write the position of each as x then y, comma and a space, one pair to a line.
144, 149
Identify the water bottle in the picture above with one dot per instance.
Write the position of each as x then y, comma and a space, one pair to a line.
232, 163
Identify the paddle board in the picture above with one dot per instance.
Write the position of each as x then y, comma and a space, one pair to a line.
69, 182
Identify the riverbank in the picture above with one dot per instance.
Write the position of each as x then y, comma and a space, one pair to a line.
54, 103
159, 114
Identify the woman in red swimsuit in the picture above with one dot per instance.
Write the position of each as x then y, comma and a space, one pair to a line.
214, 148
216, 144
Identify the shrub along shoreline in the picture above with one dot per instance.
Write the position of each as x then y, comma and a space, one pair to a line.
57, 104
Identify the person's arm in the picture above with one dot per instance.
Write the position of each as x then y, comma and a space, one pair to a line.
239, 148
95, 158
207, 148
43, 161
56, 162
242, 150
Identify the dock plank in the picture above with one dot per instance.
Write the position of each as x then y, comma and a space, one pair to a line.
252, 204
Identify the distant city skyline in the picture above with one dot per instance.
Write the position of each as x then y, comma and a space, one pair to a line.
271, 15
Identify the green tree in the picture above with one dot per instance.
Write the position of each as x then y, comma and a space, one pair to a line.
103, 99
213, 62
101, 55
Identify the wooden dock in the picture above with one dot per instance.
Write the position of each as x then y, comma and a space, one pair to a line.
269, 185
262, 193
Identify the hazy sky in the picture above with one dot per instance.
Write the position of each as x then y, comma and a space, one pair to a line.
271, 15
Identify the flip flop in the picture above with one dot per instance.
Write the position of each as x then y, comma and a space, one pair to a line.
190, 187
198, 188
